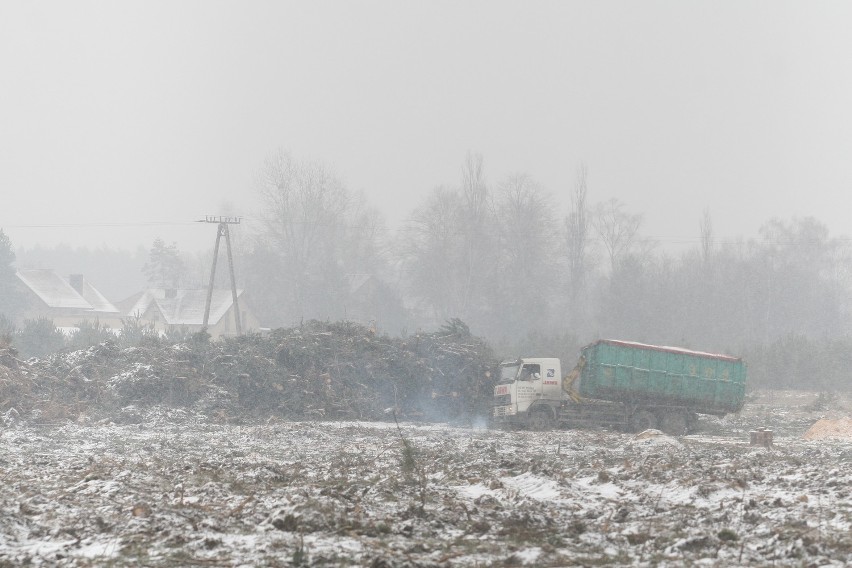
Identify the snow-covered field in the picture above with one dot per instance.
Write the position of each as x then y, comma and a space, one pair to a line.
173, 488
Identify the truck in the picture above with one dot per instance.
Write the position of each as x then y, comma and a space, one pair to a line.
622, 384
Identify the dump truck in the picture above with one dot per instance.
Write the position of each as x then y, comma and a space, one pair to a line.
622, 384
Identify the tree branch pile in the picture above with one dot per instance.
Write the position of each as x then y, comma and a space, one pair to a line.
317, 370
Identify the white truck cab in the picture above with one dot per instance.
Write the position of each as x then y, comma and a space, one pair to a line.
529, 389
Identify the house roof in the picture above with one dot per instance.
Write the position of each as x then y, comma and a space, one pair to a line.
57, 292
186, 307
97, 300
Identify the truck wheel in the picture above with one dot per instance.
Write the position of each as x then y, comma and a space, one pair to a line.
691, 421
674, 423
642, 420
541, 419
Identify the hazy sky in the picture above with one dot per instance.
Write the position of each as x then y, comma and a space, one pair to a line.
124, 121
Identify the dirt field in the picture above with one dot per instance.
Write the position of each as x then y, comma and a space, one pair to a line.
172, 488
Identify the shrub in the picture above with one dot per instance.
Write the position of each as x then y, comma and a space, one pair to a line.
89, 334
134, 331
39, 338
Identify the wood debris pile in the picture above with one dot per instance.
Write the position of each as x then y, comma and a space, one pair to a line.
318, 370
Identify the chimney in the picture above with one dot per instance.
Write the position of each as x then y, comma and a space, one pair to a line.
171, 293
76, 281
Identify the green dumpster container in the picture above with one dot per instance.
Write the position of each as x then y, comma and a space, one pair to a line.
636, 373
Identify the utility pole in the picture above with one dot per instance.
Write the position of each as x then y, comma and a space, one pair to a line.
221, 231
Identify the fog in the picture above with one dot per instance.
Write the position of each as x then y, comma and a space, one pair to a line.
423, 189
560, 170
123, 122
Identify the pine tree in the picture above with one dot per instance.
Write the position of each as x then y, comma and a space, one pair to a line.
164, 268
11, 294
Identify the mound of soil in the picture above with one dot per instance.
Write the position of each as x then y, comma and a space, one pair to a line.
829, 428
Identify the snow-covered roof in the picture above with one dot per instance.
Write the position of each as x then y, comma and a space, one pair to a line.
184, 307
57, 292
97, 300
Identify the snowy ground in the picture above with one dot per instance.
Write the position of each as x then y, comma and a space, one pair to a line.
173, 488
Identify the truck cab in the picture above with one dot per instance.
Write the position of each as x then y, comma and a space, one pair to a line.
529, 391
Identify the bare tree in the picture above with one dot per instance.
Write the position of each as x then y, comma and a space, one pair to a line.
476, 214
363, 239
433, 252
795, 287
315, 232
524, 269
577, 234
474, 189
449, 248
524, 217
616, 228
707, 241
304, 204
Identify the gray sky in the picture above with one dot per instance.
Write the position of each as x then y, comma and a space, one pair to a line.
128, 120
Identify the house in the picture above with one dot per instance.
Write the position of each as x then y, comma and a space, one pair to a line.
170, 309
66, 302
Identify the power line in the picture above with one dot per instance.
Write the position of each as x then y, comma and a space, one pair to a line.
116, 224
665, 239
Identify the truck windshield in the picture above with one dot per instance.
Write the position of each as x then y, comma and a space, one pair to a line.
508, 373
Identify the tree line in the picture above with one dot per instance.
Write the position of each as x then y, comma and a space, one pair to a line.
532, 279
